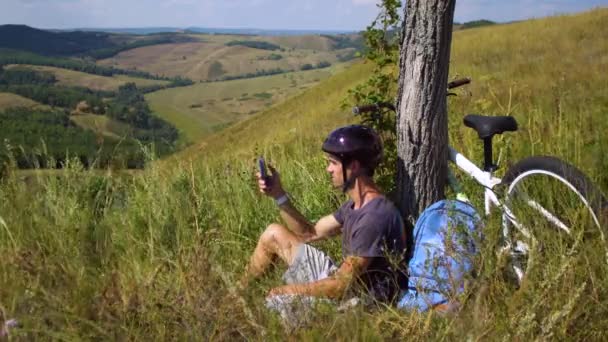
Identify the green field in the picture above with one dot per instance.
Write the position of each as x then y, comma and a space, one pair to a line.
155, 255
102, 125
196, 60
8, 100
204, 108
75, 78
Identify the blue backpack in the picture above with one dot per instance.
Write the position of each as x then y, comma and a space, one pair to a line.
445, 238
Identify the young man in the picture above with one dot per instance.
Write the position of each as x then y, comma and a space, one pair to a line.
373, 236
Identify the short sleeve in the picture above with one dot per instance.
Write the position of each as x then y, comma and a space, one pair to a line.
368, 238
340, 214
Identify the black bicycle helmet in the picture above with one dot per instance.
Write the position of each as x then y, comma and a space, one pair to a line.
354, 142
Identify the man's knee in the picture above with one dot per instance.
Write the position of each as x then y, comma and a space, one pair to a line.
277, 237
273, 234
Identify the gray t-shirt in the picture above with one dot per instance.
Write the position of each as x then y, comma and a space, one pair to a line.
376, 231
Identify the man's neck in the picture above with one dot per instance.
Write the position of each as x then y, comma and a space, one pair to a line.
363, 191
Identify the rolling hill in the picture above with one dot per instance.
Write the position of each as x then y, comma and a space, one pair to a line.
77, 43
96, 82
22, 37
213, 57
9, 100
204, 108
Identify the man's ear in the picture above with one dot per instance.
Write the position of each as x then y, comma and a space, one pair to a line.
356, 167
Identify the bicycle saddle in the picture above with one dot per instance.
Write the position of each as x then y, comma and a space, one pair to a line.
487, 126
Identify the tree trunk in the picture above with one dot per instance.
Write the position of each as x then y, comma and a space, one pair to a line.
422, 126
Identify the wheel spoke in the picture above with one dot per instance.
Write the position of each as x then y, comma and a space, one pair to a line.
552, 218
551, 208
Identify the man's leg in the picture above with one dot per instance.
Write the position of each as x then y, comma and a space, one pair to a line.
275, 241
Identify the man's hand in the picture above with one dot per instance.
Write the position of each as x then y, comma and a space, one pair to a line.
271, 186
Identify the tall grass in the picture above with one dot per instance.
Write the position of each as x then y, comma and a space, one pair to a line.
154, 255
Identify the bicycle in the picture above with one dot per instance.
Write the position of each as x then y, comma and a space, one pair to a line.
539, 191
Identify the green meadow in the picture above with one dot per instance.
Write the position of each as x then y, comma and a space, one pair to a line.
155, 254
204, 108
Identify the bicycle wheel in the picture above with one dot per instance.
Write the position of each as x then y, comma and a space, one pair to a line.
551, 210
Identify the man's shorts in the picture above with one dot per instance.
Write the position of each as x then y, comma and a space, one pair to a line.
309, 265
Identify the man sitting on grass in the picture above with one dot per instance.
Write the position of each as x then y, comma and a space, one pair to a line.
373, 236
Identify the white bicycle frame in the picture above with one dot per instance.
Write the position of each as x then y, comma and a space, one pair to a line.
484, 178
488, 181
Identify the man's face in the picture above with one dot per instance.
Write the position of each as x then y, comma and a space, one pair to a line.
334, 168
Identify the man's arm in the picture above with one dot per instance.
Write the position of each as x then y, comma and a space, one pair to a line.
296, 222
327, 226
331, 287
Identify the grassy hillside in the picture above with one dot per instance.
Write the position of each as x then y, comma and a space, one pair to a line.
552, 83
75, 78
204, 108
550, 75
9, 100
102, 125
212, 59
154, 256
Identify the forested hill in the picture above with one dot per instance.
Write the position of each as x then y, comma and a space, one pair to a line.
23, 37
76, 43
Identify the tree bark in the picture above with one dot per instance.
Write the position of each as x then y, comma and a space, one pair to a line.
422, 126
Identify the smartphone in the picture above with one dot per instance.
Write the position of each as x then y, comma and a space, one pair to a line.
262, 167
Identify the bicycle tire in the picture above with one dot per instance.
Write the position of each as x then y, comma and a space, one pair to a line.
597, 201
551, 172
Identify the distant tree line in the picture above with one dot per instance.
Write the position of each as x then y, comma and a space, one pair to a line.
341, 41
26, 38
44, 139
130, 106
59, 96
257, 73
254, 44
108, 52
474, 24
25, 129
320, 65
274, 71
271, 57
77, 43
21, 57
25, 76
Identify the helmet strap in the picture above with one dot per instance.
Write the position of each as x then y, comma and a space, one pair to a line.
348, 183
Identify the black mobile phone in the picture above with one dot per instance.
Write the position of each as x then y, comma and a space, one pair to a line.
262, 167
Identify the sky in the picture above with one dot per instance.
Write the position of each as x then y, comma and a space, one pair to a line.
263, 14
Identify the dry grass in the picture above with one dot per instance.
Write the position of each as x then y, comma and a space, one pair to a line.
193, 60
204, 108
75, 78
8, 100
